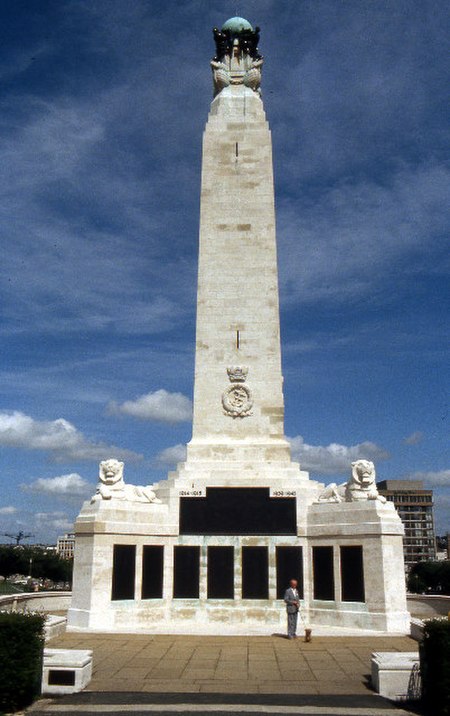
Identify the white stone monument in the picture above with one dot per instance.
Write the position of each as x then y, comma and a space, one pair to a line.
212, 548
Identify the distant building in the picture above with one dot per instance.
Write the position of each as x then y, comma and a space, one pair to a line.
44, 547
415, 507
66, 545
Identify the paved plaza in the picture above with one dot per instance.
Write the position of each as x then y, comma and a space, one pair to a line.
145, 673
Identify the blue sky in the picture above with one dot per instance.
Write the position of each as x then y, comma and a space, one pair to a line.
103, 104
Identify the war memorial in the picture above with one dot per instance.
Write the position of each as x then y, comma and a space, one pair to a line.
211, 549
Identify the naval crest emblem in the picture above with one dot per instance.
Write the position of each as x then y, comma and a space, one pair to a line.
237, 399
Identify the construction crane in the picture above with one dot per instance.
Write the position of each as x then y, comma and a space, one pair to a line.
18, 537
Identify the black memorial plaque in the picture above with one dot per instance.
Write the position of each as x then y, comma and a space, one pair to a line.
289, 566
352, 574
186, 572
123, 572
220, 572
238, 511
152, 571
255, 573
61, 677
323, 574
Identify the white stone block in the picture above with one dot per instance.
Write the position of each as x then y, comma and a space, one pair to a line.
395, 675
66, 671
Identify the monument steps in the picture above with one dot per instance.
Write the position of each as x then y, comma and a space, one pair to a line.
99, 704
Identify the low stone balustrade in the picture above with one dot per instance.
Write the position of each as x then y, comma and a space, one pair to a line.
54, 626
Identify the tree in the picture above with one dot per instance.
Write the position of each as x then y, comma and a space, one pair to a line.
48, 565
12, 561
34, 562
430, 576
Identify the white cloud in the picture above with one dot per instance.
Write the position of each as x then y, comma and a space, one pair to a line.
74, 196
19, 60
160, 406
62, 485
172, 455
442, 513
53, 521
413, 439
59, 437
349, 241
333, 458
8, 510
440, 478
57, 156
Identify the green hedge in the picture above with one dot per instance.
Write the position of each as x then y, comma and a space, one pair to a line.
435, 666
21, 648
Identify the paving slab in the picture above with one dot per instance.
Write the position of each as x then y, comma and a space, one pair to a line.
269, 668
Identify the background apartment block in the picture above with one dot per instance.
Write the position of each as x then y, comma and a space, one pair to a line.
65, 546
415, 507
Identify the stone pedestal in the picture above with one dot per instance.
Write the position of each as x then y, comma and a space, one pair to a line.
396, 676
377, 528
373, 529
66, 671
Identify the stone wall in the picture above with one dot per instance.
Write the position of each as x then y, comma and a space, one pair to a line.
36, 602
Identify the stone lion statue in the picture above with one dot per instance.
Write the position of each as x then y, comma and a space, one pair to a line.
112, 486
361, 485
333, 493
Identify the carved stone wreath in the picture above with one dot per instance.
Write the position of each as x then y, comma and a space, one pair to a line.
237, 401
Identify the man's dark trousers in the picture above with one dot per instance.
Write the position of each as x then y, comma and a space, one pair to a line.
291, 598
292, 624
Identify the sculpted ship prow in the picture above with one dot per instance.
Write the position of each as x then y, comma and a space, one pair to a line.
237, 59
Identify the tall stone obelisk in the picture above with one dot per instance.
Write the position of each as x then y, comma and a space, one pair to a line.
214, 549
238, 396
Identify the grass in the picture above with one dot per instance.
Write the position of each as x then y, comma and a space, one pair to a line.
7, 588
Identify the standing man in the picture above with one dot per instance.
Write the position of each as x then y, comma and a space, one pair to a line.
292, 600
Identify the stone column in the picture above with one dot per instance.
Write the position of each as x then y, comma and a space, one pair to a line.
238, 398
